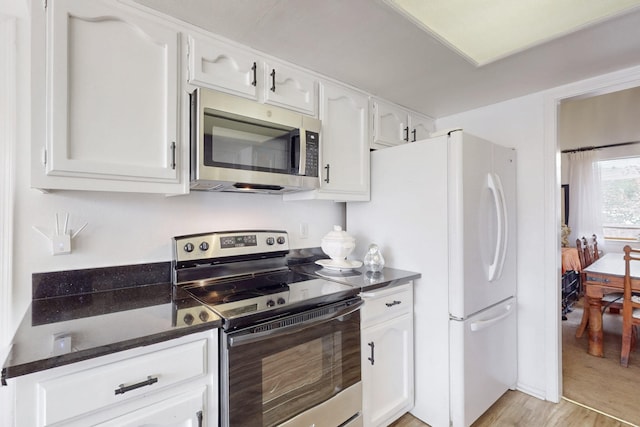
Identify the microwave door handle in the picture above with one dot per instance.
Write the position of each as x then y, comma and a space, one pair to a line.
302, 159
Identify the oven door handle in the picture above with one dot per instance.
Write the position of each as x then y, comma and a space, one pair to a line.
252, 337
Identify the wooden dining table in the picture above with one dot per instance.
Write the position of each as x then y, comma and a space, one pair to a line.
603, 276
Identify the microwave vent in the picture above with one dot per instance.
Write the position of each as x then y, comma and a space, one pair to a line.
204, 186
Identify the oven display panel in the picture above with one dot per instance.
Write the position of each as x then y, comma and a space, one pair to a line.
238, 241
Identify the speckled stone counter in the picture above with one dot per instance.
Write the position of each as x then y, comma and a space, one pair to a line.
303, 261
102, 311
106, 310
360, 278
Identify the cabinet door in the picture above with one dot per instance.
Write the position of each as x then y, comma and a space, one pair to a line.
183, 410
387, 370
420, 127
289, 88
344, 142
112, 97
219, 66
390, 125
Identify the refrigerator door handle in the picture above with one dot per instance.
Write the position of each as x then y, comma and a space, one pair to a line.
483, 324
495, 185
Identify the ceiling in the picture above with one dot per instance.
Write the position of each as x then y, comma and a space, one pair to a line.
368, 44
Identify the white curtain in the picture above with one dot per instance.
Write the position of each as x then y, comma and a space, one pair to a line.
585, 207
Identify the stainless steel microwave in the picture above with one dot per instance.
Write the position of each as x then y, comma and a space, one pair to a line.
242, 145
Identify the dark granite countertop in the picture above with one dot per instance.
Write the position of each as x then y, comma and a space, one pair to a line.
367, 281
112, 309
304, 261
99, 321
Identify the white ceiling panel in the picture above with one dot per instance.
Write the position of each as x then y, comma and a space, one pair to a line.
368, 44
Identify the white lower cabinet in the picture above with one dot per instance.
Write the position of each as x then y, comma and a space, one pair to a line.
173, 383
387, 354
178, 411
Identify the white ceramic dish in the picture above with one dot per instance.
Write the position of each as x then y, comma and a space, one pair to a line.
341, 265
338, 244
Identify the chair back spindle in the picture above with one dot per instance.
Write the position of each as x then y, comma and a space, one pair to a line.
630, 308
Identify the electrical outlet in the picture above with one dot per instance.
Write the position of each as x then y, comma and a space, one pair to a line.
61, 344
61, 244
304, 230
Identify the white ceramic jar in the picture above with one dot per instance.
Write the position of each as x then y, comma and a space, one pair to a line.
338, 244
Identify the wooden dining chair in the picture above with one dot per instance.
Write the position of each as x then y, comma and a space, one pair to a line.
588, 254
630, 307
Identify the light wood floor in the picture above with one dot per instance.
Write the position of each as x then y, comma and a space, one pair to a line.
519, 409
600, 382
588, 382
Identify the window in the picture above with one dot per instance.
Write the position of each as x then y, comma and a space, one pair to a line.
620, 192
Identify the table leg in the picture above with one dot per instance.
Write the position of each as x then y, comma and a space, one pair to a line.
595, 327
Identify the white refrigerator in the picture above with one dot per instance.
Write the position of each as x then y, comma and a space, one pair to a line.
445, 207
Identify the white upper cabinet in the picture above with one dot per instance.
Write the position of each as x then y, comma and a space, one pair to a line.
111, 100
420, 127
389, 125
344, 146
289, 88
394, 125
221, 66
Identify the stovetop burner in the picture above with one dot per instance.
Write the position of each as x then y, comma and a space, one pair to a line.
243, 276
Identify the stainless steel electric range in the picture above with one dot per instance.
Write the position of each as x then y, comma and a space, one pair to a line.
290, 342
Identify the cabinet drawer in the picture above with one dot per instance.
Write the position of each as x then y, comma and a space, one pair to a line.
386, 304
84, 391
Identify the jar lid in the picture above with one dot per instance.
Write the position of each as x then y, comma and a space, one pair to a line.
338, 234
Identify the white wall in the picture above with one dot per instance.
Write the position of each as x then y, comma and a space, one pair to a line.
519, 123
137, 228
609, 118
600, 120
530, 125
128, 228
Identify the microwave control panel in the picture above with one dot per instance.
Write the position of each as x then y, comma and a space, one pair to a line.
313, 153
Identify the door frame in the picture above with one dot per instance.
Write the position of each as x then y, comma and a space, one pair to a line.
619, 80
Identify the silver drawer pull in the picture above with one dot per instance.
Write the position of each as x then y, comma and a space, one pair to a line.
122, 389
391, 304
372, 358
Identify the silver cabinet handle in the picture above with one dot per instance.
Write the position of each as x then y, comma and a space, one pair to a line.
122, 389
273, 80
391, 304
327, 178
254, 68
372, 358
173, 155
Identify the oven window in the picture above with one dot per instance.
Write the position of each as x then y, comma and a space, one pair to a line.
277, 378
237, 144
299, 371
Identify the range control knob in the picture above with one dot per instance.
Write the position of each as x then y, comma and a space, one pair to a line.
281, 301
188, 318
204, 246
204, 316
270, 241
270, 303
188, 247
281, 240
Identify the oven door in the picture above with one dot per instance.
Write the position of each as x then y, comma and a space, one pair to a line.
302, 367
